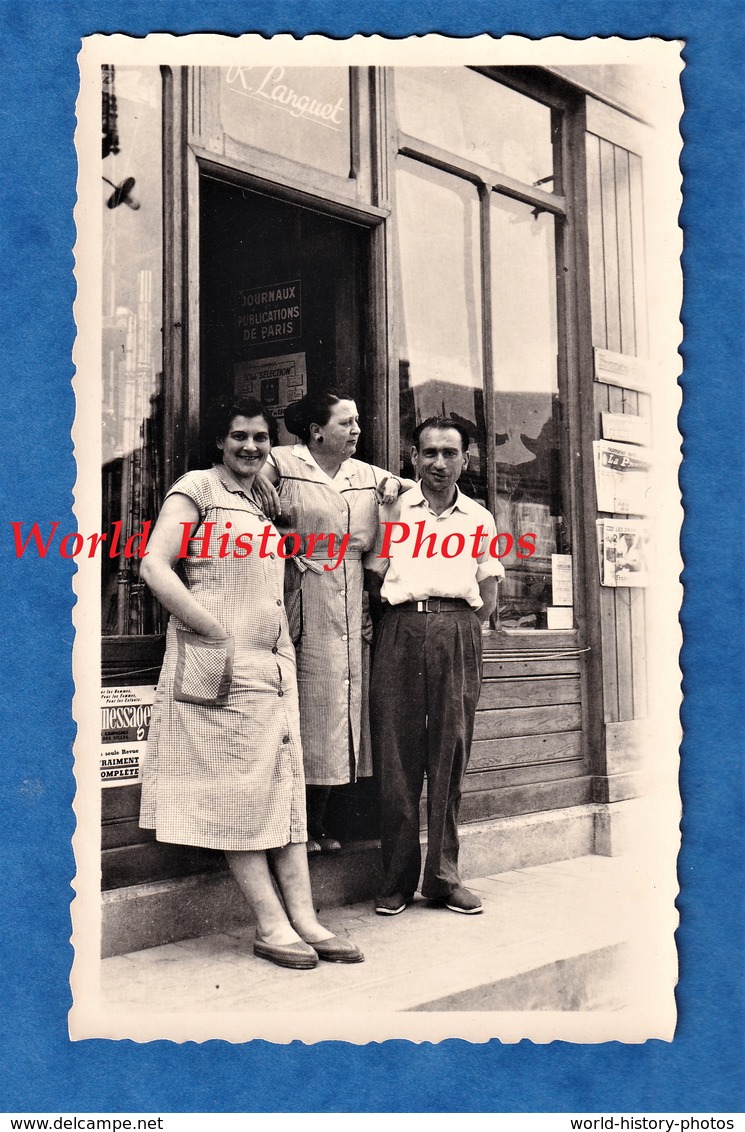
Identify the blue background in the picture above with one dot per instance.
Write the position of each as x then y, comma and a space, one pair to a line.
702, 1069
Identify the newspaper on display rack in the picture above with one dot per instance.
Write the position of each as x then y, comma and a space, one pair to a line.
623, 552
621, 477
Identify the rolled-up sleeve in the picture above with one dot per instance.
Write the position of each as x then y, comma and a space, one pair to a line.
489, 567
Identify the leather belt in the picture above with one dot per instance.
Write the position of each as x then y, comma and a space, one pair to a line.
433, 605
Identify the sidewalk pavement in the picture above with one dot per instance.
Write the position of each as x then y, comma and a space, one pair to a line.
562, 936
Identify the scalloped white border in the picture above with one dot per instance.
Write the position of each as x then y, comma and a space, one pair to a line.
89, 1017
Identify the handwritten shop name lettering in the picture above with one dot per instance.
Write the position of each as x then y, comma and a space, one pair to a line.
268, 85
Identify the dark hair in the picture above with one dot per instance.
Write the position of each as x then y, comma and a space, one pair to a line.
313, 408
224, 410
441, 423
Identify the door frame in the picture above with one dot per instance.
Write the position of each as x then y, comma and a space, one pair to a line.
182, 322
371, 316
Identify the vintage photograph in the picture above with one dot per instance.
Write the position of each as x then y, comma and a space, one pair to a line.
376, 657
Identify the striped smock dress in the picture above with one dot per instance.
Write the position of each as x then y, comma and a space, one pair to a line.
223, 767
332, 657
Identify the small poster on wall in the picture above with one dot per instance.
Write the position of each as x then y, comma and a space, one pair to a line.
626, 427
125, 723
266, 314
623, 370
561, 579
276, 382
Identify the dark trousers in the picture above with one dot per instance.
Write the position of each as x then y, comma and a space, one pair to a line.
425, 686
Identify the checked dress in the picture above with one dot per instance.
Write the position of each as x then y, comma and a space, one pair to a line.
227, 773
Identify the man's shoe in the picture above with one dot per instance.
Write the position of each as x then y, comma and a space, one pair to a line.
462, 900
391, 905
335, 950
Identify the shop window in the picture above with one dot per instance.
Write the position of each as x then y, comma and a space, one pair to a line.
440, 347
470, 115
478, 336
526, 404
131, 339
302, 113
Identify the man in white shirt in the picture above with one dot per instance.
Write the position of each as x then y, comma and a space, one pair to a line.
439, 586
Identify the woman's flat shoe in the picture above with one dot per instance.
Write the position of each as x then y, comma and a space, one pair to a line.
329, 844
335, 950
299, 956
312, 846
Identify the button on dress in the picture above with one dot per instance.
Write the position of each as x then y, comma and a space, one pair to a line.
332, 658
227, 775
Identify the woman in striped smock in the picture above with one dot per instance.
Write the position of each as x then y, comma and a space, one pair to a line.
223, 767
322, 490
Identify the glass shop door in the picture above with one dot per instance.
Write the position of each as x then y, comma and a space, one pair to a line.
282, 309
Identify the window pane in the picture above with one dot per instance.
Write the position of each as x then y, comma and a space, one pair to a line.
439, 310
477, 118
526, 405
131, 346
298, 112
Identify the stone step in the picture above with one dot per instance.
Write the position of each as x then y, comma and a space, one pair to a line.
161, 912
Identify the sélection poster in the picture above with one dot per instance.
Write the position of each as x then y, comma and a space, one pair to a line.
692, 1065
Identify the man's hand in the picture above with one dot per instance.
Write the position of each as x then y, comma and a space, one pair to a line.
488, 592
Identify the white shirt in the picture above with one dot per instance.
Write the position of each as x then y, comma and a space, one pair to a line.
412, 574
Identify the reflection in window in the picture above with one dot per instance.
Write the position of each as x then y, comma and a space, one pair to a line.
477, 118
439, 309
299, 112
131, 340
526, 406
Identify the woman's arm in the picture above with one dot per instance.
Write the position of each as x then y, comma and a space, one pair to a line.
160, 558
264, 488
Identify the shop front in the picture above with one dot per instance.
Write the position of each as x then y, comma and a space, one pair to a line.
463, 241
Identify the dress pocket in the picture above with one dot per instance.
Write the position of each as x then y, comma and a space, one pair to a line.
204, 669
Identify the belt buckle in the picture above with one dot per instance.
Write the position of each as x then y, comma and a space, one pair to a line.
422, 606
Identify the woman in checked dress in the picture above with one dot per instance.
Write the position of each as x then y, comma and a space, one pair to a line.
223, 768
